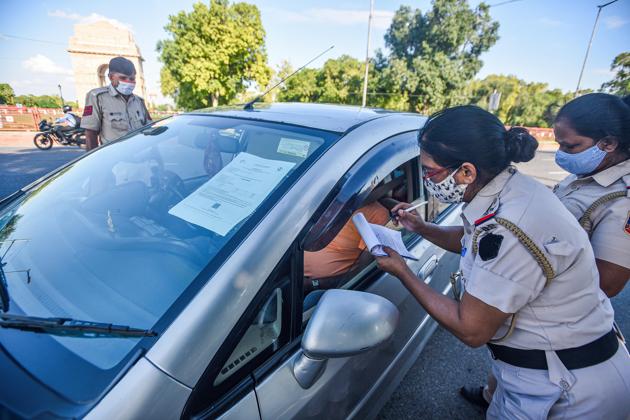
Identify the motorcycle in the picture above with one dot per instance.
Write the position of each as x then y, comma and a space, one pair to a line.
47, 135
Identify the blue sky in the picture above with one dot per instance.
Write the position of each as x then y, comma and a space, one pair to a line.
541, 40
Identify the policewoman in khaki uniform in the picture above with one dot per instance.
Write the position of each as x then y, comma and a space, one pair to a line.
529, 284
112, 111
593, 134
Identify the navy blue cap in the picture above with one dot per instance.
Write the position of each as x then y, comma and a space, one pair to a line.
121, 65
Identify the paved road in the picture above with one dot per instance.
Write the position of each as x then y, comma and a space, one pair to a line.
429, 391
20, 166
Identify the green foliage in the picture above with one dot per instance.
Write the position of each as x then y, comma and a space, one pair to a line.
522, 103
620, 85
434, 54
340, 80
214, 53
41, 101
7, 95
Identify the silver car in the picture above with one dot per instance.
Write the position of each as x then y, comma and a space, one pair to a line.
162, 275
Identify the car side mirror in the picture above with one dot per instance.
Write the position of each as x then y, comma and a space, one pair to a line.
345, 323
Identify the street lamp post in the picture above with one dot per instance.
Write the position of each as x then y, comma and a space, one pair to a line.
60, 95
590, 41
367, 55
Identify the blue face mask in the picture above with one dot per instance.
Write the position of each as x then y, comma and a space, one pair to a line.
581, 163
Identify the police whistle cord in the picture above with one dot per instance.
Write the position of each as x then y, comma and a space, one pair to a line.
585, 220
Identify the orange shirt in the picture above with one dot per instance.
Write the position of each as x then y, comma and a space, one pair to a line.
344, 250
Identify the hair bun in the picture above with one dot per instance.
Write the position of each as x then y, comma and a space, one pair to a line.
520, 146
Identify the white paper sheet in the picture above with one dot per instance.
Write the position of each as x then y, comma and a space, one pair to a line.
376, 237
233, 193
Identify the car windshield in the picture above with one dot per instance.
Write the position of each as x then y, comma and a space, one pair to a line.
121, 234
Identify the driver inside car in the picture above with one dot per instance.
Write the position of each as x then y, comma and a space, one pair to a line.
323, 269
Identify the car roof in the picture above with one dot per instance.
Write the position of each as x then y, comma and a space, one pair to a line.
336, 118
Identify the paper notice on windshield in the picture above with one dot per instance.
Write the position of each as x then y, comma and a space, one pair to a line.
294, 147
376, 237
233, 193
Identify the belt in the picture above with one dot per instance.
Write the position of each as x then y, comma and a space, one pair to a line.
590, 354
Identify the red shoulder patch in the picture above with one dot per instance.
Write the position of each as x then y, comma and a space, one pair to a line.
626, 228
87, 111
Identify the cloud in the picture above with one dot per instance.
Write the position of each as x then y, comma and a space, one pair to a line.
551, 22
614, 22
41, 64
91, 18
25, 83
381, 18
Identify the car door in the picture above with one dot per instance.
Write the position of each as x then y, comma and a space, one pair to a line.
359, 385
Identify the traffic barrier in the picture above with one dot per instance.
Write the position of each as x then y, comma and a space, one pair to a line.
22, 118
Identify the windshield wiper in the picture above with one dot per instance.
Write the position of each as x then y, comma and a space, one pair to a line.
71, 327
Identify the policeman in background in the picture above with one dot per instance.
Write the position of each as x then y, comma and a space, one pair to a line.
112, 111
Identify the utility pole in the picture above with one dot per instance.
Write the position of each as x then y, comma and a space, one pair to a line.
367, 55
590, 41
61, 95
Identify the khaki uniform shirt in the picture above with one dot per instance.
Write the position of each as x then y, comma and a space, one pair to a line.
107, 112
610, 237
572, 310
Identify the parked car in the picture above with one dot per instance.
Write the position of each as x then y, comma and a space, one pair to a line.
161, 276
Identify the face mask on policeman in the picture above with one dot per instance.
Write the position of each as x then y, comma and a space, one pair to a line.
122, 74
580, 155
447, 184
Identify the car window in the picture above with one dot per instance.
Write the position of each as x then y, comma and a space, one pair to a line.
344, 261
133, 224
264, 328
262, 335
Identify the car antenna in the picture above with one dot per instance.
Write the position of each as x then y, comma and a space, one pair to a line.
250, 105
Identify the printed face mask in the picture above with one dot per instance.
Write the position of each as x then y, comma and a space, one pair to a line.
125, 88
581, 163
447, 191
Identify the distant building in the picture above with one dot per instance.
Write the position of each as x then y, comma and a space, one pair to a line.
92, 46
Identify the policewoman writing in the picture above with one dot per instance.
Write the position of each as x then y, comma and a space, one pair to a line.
530, 288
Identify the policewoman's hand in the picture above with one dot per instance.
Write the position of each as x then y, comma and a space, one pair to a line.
393, 264
409, 220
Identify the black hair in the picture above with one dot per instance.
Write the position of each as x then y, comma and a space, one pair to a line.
599, 115
470, 134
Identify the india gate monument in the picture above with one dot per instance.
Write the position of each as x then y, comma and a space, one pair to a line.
92, 46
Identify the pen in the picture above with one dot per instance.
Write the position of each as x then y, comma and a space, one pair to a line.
422, 203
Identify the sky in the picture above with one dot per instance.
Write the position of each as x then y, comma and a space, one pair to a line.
540, 40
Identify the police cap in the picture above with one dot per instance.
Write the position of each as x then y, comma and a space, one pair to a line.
121, 65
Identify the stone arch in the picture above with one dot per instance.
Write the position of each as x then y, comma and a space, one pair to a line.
102, 75
96, 43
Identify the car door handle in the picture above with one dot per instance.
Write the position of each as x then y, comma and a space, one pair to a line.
427, 269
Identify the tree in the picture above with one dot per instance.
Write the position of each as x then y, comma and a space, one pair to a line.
620, 85
7, 95
522, 103
41, 101
214, 53
433, 55
339, 81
